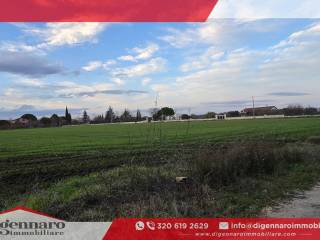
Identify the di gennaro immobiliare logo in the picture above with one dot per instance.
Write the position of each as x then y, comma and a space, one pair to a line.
22, 223
31, 228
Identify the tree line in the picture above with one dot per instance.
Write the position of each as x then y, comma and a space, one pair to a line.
29, 120
291, 110
111, 117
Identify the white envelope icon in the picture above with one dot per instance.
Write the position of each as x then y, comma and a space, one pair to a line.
223, 225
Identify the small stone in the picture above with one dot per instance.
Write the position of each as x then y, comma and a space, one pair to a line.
182, 179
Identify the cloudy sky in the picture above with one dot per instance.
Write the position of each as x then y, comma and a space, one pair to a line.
213, 66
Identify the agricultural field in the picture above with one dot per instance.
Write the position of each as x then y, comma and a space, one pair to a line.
98, 172
101, 138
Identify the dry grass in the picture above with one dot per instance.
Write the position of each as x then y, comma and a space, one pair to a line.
314, 139
235, 180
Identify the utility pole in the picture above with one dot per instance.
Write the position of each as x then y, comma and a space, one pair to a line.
155, 106
253, 107
156, 102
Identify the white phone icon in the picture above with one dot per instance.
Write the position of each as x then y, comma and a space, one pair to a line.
139, 226
151, 226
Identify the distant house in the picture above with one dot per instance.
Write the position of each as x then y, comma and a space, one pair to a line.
22, 122
259, 111
222, 116
169, 118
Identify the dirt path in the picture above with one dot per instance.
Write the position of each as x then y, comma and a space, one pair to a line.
304, 205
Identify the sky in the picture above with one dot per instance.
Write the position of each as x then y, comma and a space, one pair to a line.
193, 67
267, 9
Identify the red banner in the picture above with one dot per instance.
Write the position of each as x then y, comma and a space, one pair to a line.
237, 229
12, 223
106, 10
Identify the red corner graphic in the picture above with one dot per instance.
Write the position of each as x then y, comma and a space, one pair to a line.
106, 10
22, 208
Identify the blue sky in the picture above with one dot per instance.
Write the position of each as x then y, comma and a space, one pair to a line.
213, 66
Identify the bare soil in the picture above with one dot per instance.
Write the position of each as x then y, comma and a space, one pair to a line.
303, 205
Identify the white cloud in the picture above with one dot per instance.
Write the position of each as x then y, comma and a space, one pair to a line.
141, 53
72, 89
119, 81
55, 35
290, 66
59, 34
154, 65
196, 63
178, 38
146, 53
310, 34
161, 88
94, 65
31, 82
210, 74
266, 9
219, 32
145, 81
94, 97
17, 47
127, 58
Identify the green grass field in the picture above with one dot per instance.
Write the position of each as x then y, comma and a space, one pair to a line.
78, 172
91, 138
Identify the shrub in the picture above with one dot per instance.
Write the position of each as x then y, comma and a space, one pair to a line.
314, 139
45, 121
4, 124
29, 117
226, 166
